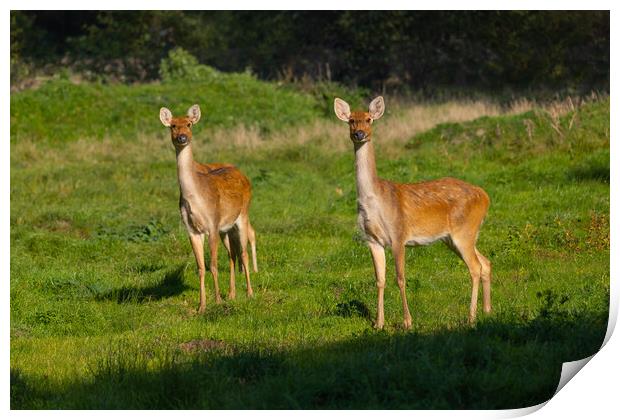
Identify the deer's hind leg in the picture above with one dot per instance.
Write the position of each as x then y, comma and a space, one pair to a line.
242, 226
252, 239
485, 274
464, 244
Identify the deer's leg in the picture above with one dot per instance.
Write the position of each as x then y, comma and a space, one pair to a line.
399, 261
485, 274
378, 260
213, 266
243, 241
252, 239
465, 247
231, 258
196, 239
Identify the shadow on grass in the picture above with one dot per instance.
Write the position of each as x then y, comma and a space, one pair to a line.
591, 170
498, 364
353, 307
600, 174
172, 284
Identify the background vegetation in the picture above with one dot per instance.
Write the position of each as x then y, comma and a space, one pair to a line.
103, 285
429, 52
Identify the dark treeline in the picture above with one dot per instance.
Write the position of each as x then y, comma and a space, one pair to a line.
418, 51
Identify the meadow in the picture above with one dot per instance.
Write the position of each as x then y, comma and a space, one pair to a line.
104, 288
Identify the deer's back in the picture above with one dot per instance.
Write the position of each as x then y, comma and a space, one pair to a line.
430, 210
225, 184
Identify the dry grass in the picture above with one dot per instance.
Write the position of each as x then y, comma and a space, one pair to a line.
403, 121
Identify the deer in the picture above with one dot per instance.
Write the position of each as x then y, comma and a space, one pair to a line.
395, 215
214, 201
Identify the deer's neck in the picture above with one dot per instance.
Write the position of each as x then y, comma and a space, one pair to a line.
365, 170
185, 171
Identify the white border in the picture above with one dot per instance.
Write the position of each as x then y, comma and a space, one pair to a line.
594, 391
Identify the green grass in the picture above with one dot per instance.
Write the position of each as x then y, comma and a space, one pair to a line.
60, 111
104, 288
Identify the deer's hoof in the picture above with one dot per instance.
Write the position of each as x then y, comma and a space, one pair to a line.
378, 325
407, 323
201, 309
231, 296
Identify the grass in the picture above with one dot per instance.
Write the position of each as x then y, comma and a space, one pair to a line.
104, 288
60, 111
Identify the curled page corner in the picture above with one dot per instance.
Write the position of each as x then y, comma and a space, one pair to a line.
570, 369
613, 318
519, 412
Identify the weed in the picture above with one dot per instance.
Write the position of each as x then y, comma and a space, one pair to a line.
353, 308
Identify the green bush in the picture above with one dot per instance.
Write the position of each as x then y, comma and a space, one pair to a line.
181, 65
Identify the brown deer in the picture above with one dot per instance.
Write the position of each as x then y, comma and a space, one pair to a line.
396, 215
214, 201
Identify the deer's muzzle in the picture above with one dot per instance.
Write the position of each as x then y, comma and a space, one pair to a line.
359, 135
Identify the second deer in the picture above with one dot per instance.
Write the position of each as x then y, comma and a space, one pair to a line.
393, 215
214, 201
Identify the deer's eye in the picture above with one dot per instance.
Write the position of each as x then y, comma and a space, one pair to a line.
351, 121
368, 120
173, 126
189, 125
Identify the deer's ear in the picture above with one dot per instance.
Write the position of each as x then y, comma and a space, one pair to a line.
376, 108
194, 113
342, 109
165, 116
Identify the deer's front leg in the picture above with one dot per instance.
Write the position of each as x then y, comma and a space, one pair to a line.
213, 267
399, 261
196, 239
378, 260
231, 260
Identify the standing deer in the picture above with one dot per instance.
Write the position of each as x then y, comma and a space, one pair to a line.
396, 215
215, 200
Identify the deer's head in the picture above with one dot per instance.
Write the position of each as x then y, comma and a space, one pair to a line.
180, 127
359, 121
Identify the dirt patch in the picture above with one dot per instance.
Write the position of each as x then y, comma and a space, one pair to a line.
598, 232
57, 224
202, 345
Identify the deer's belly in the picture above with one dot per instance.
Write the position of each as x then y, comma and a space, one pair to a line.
422, 239
227, 225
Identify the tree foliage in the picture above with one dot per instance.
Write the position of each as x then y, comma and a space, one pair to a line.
426, 50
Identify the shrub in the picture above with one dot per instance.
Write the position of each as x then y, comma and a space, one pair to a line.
181, 65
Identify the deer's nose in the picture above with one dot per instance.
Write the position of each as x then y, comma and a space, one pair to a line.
359, 135
182, 138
